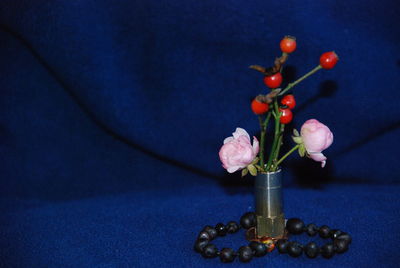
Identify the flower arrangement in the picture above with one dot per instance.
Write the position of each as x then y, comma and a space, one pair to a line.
238, 153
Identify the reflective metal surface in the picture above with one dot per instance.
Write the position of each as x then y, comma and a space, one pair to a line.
251, 235
269, 205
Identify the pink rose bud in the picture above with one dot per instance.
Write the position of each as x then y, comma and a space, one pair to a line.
316, 138
237, 151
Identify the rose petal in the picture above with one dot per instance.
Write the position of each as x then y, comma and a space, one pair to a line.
329, 140
228, 139
232, 169
316, 136
245, 141
256, 146
240, 132
316, 140
319, 157
237, 151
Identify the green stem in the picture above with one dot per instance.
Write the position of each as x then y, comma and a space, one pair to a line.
287, 154
278, 146
267, 120
300, 79
276, 136
262, 141
263, 126
260, 121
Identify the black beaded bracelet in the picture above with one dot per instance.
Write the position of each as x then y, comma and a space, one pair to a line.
340, 243
294, 226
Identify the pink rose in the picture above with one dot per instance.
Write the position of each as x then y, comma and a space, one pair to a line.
237, 151
316, 138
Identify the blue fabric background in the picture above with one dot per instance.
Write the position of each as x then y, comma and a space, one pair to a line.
112, 114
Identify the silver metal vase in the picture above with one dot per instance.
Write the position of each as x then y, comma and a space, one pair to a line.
269, 205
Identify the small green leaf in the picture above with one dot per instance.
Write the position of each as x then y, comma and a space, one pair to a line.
258, 167
297, 140
296, 133
255, 161
244, 172
302, 150
252, 169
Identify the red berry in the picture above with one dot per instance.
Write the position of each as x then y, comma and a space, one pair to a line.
328, 60
273, 81
286, 116
288, 44
259, 107
289, 101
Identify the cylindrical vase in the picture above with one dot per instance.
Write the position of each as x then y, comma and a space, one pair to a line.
269, 205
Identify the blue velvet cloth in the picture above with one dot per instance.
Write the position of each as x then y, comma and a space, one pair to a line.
112, 114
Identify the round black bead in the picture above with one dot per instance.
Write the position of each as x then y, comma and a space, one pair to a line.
327, 251
221, 229
282, 245
295, 226
204, 235
210, 251
227, 255
311, 250
248, 220
294, 249
335, 233
211, 231
345, 236
324, 231
232, 227
311, 229
259, 249
245, 254
200, 244
340, 246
